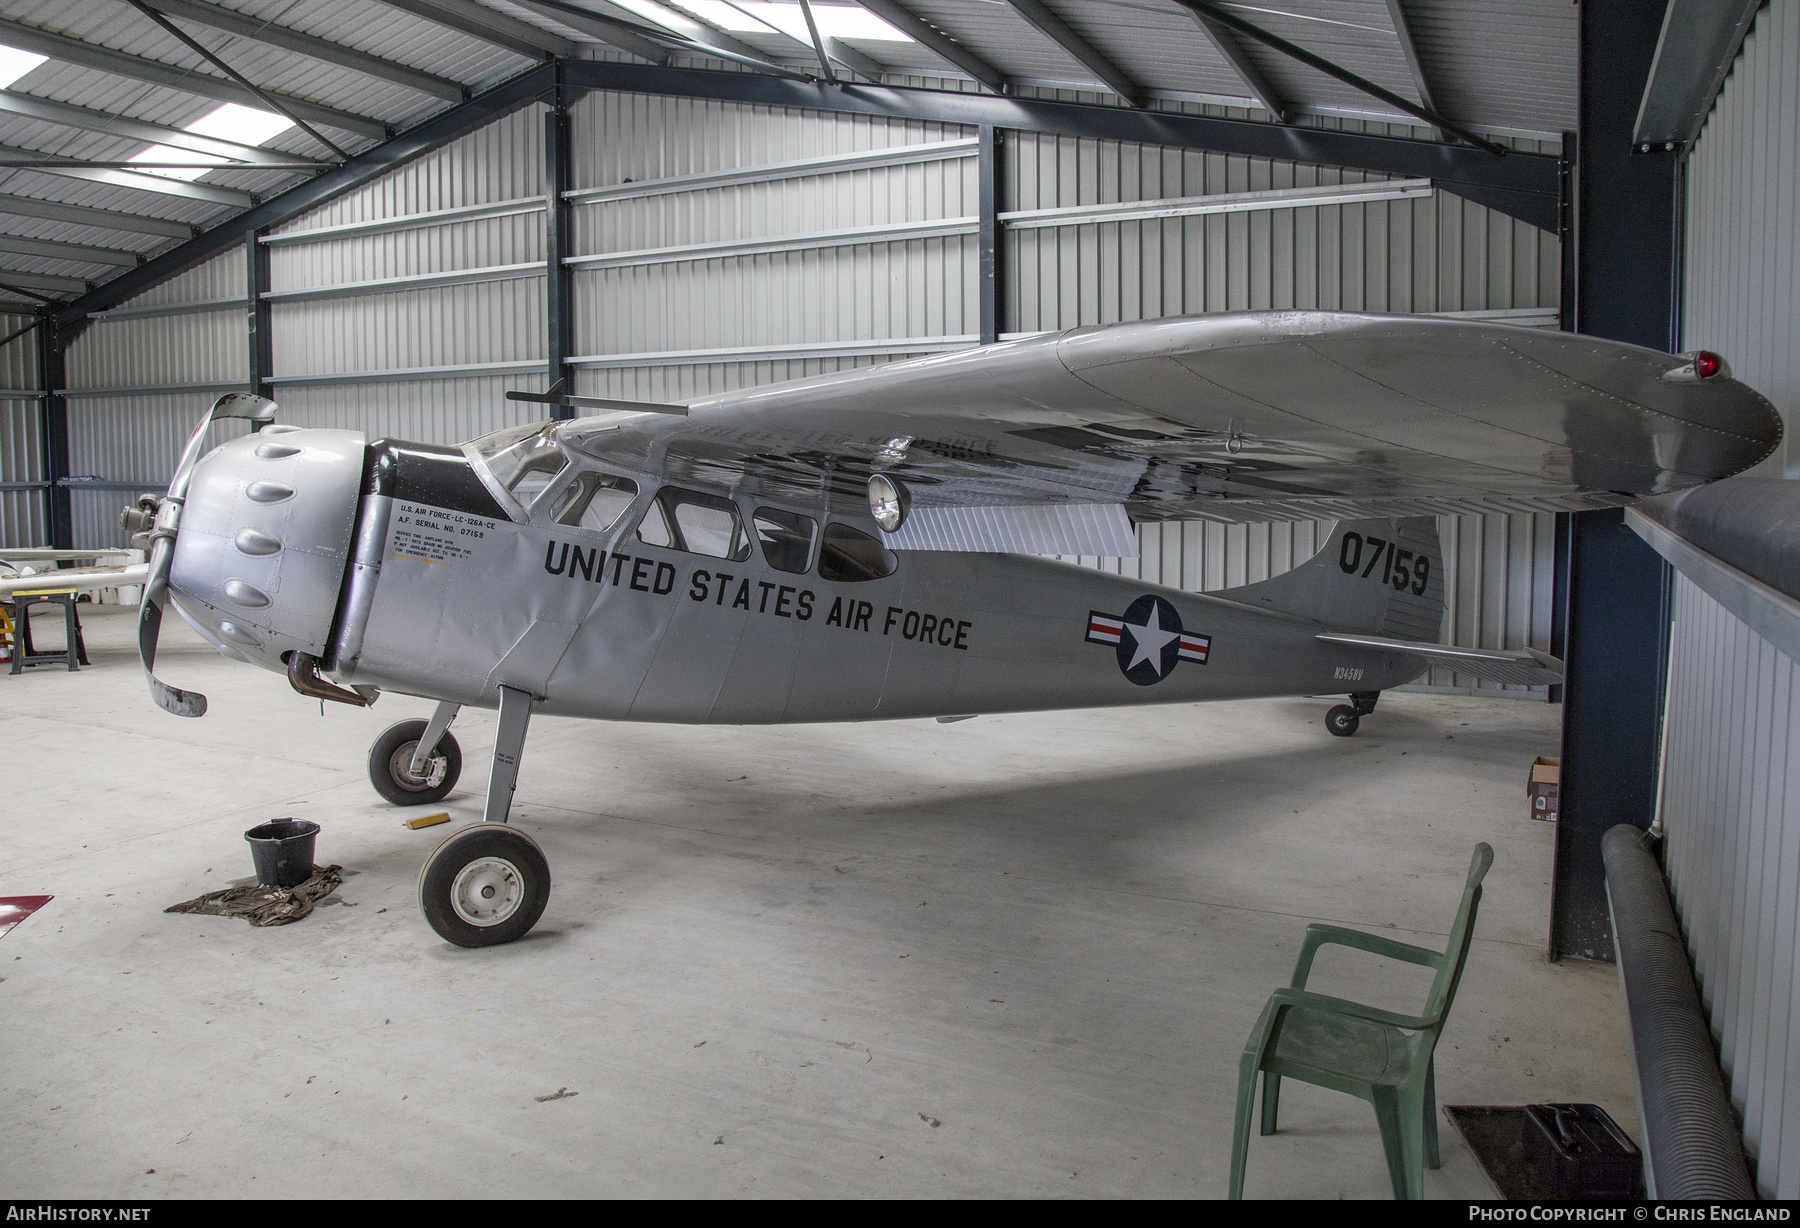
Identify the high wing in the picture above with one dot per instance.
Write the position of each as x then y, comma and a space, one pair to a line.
1056, 443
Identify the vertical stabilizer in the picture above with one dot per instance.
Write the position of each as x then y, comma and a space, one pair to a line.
1381, 577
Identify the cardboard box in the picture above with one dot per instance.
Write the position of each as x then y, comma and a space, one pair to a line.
1542, 787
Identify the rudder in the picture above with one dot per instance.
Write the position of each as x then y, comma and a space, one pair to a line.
1382, 577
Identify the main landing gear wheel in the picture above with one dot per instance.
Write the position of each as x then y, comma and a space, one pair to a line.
390, 766
1342, 720
485, 885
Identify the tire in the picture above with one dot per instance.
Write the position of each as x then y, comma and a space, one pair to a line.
1342, 721
392, 753
485, 885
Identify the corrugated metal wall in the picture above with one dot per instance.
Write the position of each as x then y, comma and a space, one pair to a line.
1742, 277
21, 440
1731, 812
672, 326
1731, 758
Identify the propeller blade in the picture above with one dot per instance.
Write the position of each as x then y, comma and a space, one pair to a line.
150, 612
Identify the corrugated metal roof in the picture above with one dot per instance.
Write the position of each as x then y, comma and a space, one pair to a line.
1506, 64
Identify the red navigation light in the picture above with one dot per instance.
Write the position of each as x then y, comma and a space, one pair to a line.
1707, 364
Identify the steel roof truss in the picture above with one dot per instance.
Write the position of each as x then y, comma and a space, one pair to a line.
1063, 35
71, 116
86, 215
1409, 53
1232, 51
471, 19
260, 31
68, 251
136, 68
74, 168
935, 40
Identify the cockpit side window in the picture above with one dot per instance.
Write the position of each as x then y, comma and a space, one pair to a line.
786, 538
696, 523
850, 555
594, 501
524, 460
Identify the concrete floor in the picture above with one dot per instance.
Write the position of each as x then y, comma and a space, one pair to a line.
1013, 956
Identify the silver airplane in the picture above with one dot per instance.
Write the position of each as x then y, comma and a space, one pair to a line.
857, 546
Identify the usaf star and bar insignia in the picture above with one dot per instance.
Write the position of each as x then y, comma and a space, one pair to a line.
1148, 639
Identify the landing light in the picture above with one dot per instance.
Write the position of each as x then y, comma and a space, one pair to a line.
888, 502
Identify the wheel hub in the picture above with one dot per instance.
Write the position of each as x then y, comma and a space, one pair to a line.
487, 891
400, 768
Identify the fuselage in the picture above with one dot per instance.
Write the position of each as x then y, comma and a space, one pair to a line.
613, 593
737, 628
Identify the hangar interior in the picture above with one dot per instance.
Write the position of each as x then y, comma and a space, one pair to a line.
650, 202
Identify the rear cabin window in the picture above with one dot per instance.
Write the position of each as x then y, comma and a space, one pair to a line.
849, 554
696, 523
595, 501
786, 538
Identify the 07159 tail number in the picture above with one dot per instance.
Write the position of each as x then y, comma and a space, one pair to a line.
1400, 568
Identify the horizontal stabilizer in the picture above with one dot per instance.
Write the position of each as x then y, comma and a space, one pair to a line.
1042, 528
1527, 667
77, 579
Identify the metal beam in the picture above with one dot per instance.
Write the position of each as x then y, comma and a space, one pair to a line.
559, 238
189, 81
68, 251
731, 249
1232, 52
44, 281
935, 40
258, 30
475, 21
272, 101
261, 332
1617, 592
74, 168
401, 285
1697, 47
435, 132
86, 215
1063, 35
736, 176
818, 44
52, 346
614, 33
989, 244
1215, 13
89, 120
1522, 185
407, 221
1409, 53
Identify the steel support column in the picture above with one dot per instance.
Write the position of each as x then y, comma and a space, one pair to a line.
262, 342
990, 242
559, 312
1616, 601
58, 515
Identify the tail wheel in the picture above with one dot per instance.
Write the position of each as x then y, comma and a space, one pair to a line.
390, 766
1342, 721
485, 885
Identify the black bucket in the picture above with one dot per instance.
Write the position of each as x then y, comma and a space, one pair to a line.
283, 851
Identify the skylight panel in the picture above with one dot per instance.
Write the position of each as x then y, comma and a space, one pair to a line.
15, 64
231, 122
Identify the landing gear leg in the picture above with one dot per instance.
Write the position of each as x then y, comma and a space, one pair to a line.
1344, 718
488, 883
509, 747
434, 732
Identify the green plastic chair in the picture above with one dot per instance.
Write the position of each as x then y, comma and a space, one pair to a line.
1376, 1055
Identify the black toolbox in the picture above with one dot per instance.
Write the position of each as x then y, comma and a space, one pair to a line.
1581, 1152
